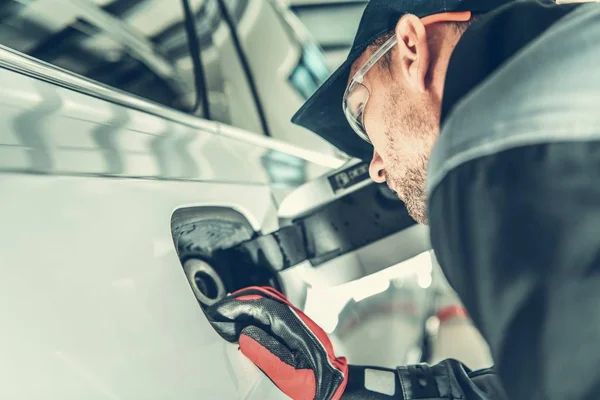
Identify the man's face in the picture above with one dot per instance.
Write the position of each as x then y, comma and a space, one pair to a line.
403, 125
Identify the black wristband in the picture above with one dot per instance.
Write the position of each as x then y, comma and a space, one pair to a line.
372, 383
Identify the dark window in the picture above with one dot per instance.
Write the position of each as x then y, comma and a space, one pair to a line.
141, 47
229, 94
172, 41
96, 42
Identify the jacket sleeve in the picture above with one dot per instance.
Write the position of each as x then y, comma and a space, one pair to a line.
514, 211
449, 379
518, 235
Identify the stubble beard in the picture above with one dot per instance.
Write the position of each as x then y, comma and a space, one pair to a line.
411, 134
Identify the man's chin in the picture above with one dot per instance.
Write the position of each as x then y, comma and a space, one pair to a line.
420, 218
417, 210
414, 202
396, 191
415, 205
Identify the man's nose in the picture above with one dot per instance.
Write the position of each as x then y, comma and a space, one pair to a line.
376, 170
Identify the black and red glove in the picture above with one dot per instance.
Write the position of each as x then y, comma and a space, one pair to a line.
296, 354
291, 349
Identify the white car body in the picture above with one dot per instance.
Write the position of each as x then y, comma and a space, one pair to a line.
94, 301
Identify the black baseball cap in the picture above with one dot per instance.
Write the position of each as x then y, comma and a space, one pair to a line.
322, 113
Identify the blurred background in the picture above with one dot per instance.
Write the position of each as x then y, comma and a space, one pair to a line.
332, 23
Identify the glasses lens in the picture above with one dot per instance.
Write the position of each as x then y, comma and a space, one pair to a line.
355, 101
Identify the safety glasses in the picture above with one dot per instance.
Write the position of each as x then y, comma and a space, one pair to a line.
357, 95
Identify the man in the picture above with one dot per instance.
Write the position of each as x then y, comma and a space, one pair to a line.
482, 115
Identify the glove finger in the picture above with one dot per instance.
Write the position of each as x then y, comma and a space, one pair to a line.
232, 314
279, 319
262, 307
278, 363
223, 316
229, 331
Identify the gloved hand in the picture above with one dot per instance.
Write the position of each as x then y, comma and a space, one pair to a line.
293, 351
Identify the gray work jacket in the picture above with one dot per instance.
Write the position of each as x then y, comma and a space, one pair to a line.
514, 203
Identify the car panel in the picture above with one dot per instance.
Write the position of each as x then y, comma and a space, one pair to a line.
249, 85
94, 299
143, 140
92, 284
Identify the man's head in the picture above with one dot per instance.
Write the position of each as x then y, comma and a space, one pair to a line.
393, 103
401, 116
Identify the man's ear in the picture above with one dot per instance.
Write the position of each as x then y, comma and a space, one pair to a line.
413, 50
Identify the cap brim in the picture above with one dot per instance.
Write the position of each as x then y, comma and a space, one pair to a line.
322, 113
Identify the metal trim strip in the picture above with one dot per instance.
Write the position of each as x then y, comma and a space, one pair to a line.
21, 63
